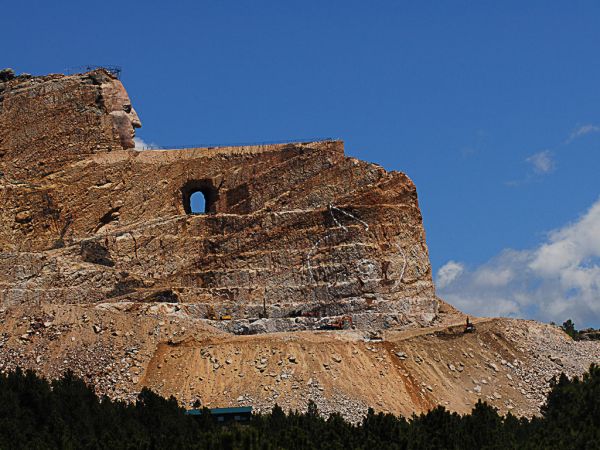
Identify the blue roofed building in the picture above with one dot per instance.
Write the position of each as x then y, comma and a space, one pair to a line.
226, 415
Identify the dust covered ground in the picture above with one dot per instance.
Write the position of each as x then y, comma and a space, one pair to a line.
122, 347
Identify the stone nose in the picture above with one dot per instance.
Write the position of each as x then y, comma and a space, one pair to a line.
135, 120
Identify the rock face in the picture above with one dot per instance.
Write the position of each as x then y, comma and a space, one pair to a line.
293, 234
47, 123
106, 270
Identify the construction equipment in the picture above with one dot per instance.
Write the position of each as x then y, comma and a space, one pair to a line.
212, 315
339, 323
264, 314
469, 327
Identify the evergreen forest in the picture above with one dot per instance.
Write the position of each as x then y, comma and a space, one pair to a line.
67, 414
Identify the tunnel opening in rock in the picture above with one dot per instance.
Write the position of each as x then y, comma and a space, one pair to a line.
199, 197
198, 203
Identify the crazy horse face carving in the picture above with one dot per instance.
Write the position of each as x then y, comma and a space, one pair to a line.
118, 105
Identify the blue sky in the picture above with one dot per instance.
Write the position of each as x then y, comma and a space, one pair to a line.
492, 108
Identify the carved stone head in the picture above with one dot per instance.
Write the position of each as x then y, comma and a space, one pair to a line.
118, 105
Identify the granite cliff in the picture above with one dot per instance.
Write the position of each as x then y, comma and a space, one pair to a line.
106, 269
292, 232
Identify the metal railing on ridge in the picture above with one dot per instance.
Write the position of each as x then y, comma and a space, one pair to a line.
115, 70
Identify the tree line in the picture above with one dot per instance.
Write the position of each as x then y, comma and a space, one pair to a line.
589, 334
67, 414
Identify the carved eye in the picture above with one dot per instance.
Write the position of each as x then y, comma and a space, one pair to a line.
127, 108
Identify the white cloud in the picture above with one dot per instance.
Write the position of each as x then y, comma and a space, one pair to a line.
542, 162
559, 279
570, 246
448, 273
140, 144
582, 131
487, 277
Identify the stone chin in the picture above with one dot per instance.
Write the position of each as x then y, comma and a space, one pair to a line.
125, 127
118, 105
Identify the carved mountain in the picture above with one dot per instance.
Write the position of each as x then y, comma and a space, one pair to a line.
107, 268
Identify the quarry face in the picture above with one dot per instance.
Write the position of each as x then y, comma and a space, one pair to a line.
303, 266
292, 233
